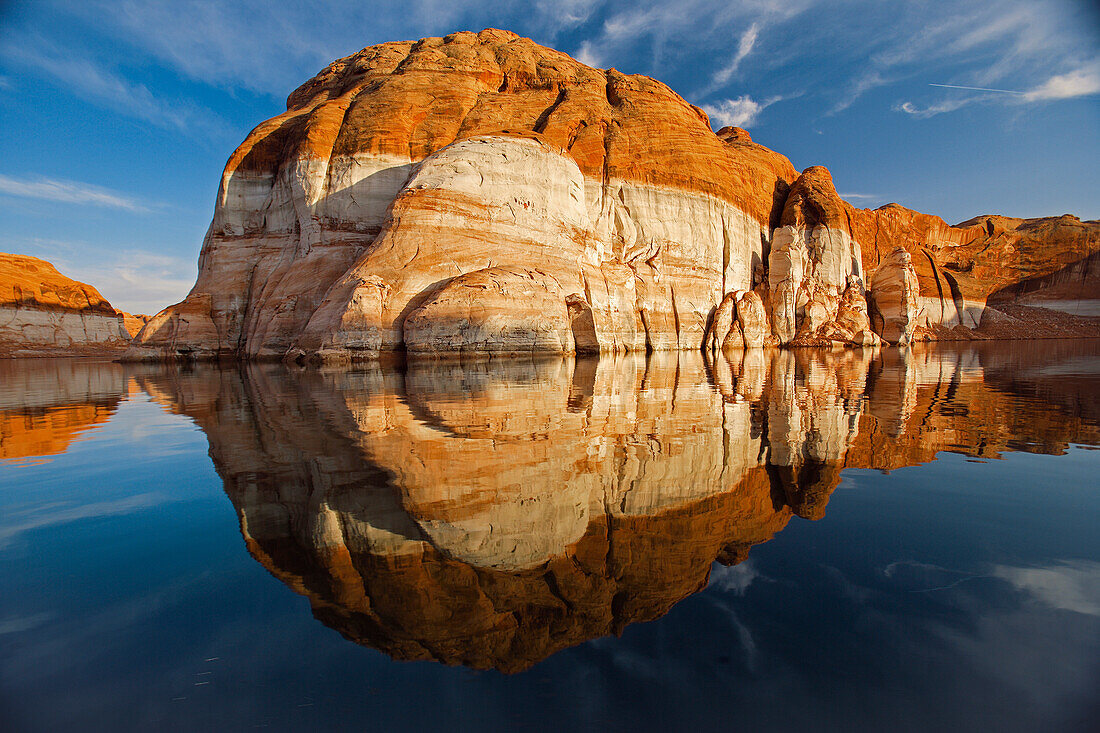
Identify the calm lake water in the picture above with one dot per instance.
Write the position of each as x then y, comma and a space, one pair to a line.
801, 540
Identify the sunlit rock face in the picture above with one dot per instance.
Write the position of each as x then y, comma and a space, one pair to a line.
895, 297
812, 266
44, 313
466, 199
826, 246
332, 217
482, 193
490, 513
42, 411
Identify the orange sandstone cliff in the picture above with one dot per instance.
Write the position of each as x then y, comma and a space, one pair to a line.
479, 192
44, 313
927, 280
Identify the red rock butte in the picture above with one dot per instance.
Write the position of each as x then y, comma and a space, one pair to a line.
481, 193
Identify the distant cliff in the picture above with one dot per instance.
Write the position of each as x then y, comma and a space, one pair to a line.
44, 313
482, 193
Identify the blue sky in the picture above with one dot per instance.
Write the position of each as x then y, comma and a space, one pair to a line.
119, 115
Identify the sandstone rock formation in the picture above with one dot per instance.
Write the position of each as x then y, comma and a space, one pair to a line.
895, 297
479, 192
490, 513
44, 313
992, 260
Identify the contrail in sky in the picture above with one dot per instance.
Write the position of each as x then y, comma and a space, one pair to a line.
975, 89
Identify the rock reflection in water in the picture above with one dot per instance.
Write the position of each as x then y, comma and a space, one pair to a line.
42, 410
493, 513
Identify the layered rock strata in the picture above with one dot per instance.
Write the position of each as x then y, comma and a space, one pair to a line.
44, 313
490, 513
481, 193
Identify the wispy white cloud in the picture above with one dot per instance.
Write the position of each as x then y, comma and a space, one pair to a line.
1081, 82
99, 85
647, 35
744, 47
857, 88
982, 44
560, 14
72, 192
141, 282
633, 23
245, 46
39, 245
750, 653
741, 111
864, 199
734, 579
21, 624
938, 108
238, 45
587, 54
249, 45
14, 524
